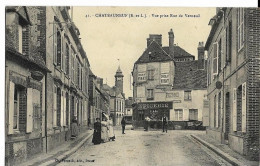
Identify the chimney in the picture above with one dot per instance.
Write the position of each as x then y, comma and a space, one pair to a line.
171, 43
201, 56
154, 37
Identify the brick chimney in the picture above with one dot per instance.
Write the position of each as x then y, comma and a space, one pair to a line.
154, 37
201, 56
171, 43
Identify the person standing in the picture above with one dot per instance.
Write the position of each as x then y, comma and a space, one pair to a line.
123, 123
111, 133
104, 130
165, 123
97, 132
74, 128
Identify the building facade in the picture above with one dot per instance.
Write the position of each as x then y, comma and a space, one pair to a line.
128, 114
233, 79
25, 71
163, 86
67, 84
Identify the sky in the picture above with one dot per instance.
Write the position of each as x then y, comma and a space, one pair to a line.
107, 39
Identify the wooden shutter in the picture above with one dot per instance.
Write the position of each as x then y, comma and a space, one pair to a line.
234, 109
244, 107
29, 123
11, 108
55, 106
62, 53
215, 58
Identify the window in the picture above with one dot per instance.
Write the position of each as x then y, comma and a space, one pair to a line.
165, 69
219, 54
58, 48
178, 114
150, 94
239, 108
240, 28
193, 114
16, 109
72, 65
150, 74
187, 95
67, 59
141, 115
229, 42
58, 107
215, 111
215, 58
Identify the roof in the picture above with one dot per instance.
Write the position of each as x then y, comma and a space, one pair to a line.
21, 11
188, 76
113, 91
178, 52
154, 53
128, 103
119, 72
35, 60
214, 28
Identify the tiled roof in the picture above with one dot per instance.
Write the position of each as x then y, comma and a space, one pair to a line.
188, 76
154, 53
178, 51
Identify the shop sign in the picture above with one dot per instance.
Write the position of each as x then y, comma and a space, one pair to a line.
154, 105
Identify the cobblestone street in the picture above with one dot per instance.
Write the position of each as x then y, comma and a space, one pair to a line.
138, 147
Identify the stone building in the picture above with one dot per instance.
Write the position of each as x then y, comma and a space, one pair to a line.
129, 109
25, 71
99, 99
233, 79
164, 86
117, 97
67, 84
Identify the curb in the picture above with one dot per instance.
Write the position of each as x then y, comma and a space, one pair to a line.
222, 154
56, 160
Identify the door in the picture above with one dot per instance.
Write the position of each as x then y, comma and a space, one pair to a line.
227, 116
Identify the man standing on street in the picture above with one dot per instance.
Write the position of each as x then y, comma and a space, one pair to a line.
164, 123
123, 125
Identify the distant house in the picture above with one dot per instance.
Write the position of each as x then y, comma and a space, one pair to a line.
168, 81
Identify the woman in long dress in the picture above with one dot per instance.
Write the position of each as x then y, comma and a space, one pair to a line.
104, 130
97, 132
111, 133
74, 128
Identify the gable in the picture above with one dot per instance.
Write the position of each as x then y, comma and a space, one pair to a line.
154, 53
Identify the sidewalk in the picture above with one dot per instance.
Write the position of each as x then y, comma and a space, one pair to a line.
61, 152
224, 151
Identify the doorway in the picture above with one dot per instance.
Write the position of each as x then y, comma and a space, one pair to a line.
227, 116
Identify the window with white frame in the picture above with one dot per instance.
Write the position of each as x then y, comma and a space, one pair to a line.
240, 28
20, 38
178, 114
165, 69
187, 95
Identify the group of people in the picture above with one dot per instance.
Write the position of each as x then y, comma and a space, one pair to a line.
103, 130
164, 123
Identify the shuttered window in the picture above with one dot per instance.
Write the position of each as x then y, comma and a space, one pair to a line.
67, 59
215, 59
58, 49
240, 28
58, 107
22, 108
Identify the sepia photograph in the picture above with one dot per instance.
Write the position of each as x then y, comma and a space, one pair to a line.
131, 86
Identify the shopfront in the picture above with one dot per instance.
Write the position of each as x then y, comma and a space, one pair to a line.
153, 110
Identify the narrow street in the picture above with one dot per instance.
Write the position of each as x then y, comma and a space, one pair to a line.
138, 147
